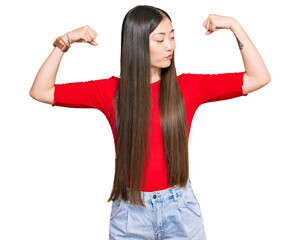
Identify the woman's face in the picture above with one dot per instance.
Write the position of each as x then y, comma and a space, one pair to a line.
162, 44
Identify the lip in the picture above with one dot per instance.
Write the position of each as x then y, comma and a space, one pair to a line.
170, 56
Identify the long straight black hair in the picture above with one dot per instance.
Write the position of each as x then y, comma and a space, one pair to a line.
133, 113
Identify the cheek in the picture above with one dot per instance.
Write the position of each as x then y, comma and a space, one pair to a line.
155, 53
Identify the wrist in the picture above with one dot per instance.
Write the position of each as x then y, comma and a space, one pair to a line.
60, 43
235, 26
66, 40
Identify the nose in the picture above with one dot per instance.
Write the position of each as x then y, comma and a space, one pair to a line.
170, 45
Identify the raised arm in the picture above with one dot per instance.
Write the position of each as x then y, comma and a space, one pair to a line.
43, 86
256, 74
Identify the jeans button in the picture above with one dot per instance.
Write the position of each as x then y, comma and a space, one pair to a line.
154, 196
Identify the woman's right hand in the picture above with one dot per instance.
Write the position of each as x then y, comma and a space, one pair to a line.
83, 34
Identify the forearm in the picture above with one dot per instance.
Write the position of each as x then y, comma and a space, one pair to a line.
253, 62
46, 76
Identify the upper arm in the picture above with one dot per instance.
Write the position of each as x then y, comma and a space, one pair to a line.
251, 84
203, 88
45, 97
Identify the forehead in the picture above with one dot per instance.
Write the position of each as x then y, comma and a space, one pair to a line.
164, 27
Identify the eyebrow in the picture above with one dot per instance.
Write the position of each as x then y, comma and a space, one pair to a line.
163, 32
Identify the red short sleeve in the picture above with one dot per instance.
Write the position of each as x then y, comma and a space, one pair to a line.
205, 88
89, 94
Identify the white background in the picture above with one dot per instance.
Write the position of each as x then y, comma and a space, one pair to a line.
57, 163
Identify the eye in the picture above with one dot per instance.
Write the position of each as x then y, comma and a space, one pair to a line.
163, 40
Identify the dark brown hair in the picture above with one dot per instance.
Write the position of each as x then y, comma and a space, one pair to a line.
133, 112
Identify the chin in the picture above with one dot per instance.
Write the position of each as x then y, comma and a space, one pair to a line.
166, 65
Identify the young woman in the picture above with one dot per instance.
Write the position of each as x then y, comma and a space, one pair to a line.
150, 111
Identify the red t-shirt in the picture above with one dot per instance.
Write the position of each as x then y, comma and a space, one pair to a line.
196, 89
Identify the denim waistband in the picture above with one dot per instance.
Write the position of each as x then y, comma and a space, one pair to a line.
164, 194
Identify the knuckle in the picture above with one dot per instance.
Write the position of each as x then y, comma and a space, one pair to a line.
82, 35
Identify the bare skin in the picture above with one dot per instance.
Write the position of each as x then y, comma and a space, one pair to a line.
256, 74
43, 86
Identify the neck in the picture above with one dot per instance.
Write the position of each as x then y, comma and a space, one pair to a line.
155, 74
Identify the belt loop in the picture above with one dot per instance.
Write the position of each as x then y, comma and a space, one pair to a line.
175, 198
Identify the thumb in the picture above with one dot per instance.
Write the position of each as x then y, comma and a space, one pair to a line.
94, 43
208, 32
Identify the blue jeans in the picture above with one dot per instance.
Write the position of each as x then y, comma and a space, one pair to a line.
172, 213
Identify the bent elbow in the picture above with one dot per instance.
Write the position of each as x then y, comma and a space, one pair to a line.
31, 94
265, 81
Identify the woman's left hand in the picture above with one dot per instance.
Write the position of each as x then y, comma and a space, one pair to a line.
215, 22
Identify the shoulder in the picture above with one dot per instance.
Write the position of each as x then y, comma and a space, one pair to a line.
191, 78
109, 83
111, 80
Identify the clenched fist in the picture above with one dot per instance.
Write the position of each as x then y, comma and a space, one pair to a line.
83, 34
215, 22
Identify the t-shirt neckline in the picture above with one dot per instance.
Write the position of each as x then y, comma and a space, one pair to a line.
154, 83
